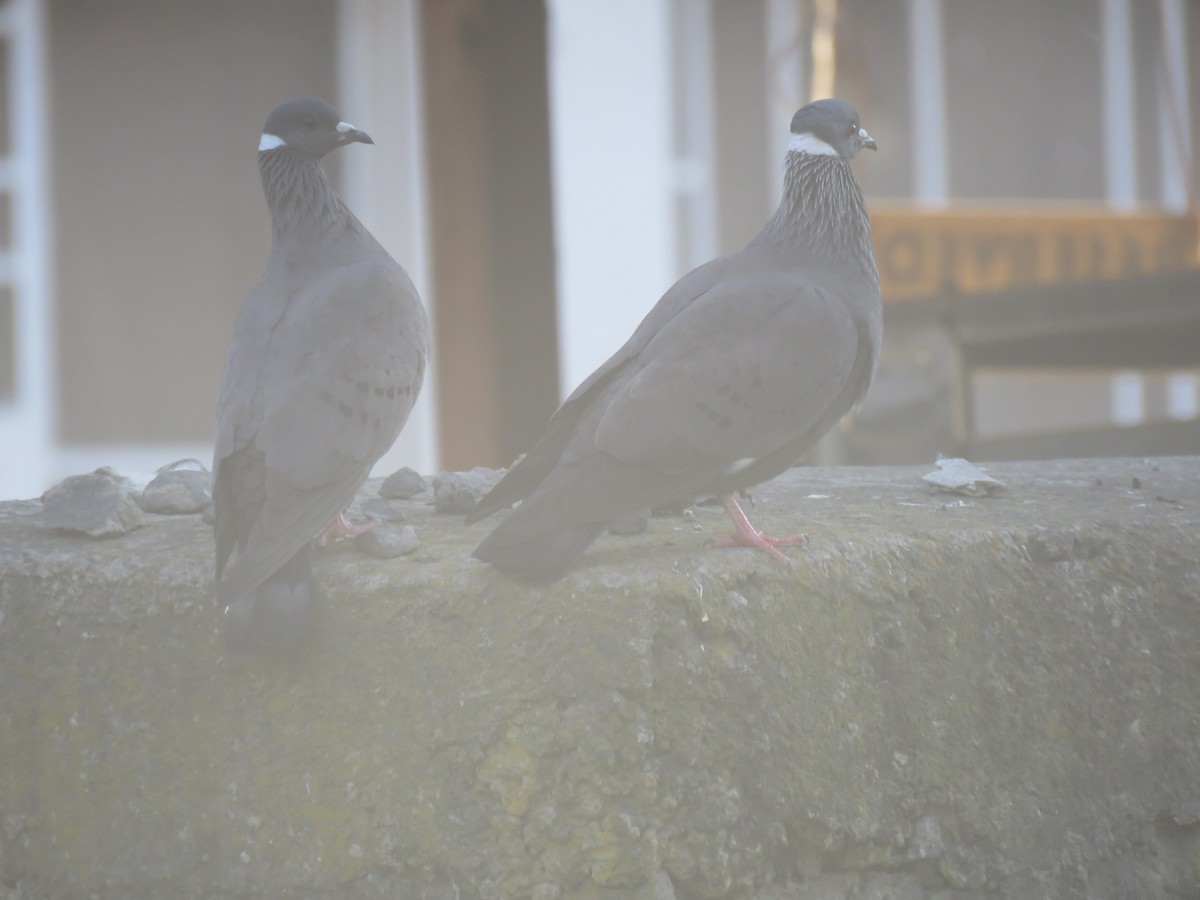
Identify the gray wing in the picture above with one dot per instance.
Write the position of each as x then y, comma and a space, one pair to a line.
758, 361
750, 367
338, 374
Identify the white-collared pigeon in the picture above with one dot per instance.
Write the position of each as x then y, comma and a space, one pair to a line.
736, 373
327, 358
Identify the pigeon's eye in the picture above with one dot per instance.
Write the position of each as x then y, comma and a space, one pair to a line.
310, 122
853, 129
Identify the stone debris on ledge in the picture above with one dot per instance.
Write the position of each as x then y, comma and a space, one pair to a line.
99, 504
456, 493
388, 543
177, 492
958, 699
403, 484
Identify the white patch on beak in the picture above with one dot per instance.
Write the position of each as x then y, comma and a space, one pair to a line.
345, 127
810, 144
270, 142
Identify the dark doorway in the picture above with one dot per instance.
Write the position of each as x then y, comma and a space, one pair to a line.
487, 121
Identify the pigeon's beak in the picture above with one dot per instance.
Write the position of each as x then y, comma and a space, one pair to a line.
866, 139
350, 134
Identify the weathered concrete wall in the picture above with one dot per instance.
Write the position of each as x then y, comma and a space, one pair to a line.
955, 699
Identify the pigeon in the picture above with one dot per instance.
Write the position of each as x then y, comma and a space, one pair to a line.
327, 358
735, 373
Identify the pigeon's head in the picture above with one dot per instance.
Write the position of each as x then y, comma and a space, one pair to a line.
828, 128
309, 127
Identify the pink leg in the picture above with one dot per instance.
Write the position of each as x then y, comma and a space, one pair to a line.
747, 535
339, 529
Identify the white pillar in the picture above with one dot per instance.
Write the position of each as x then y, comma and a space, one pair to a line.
28, 425
695, 143
1126, 389
927, 82
379, 69
1120, 144
1128, 398
1183, 395
787, 86
610, 132
1174, 128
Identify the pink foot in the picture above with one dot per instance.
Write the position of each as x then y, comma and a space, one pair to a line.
747, 535
339, 529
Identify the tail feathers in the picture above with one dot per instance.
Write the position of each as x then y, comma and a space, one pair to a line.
518, 482
276, 614
534, 467
543, 557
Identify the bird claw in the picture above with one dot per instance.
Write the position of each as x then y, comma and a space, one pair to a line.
764, 542
339, 529
747, 535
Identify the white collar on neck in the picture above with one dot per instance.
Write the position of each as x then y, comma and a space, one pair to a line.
802, 143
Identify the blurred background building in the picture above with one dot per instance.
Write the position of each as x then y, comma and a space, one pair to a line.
545, 169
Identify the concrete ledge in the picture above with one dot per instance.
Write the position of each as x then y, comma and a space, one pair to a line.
943, 698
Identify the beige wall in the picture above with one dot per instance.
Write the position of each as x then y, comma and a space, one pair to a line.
160, 224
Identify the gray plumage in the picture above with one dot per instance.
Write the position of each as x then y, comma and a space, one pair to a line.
327, 358
736, 373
